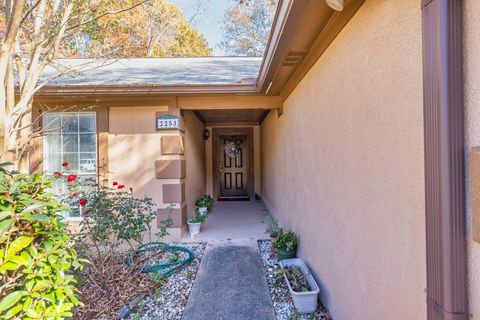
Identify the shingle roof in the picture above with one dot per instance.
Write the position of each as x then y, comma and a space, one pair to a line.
156, 71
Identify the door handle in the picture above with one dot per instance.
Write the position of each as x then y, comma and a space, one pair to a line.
221, 168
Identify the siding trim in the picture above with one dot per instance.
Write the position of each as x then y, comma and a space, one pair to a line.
444, 160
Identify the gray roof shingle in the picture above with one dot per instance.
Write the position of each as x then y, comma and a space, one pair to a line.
155, 71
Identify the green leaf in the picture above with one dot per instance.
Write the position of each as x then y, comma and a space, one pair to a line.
5, 214
18, 244
33, 207
18, 260
5, 225
37, 217
10, 300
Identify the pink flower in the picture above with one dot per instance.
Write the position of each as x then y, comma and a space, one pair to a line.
115, 183
85, 212
57, 174
83, 202
74, 194
121, 186
72, 178
65, 164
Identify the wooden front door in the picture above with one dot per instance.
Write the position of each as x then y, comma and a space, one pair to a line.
233, 155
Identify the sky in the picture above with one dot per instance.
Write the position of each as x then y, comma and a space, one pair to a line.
208, 19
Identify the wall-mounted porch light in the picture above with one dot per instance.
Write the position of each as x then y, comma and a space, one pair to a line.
206, 134
336, 4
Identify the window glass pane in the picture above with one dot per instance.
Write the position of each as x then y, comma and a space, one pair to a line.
72, 159
88, 143
51, 123
87, 123
88, 162
70, 143
69, 123
52, 148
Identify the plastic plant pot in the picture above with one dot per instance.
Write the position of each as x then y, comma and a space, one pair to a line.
286, 254
305, 302
194, 228
202, 210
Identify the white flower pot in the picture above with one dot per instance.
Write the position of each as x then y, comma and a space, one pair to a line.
305, 302
194, 228
202, 210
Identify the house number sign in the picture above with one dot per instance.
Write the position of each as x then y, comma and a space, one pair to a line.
167, 121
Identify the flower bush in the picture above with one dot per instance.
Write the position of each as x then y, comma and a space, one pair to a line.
37, 252
112, 215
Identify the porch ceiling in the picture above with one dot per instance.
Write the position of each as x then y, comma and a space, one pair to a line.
222, 117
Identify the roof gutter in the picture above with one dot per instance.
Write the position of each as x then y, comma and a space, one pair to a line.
444, 160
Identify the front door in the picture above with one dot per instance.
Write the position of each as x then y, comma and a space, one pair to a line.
233, 166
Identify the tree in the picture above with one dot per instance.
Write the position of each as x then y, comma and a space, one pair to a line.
246, 27
157, 28
34, 35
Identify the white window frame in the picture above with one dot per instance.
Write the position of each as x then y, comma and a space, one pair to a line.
60, 133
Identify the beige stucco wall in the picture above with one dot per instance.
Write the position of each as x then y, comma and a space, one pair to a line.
256, 163
472, 105
344, 166
195, 160
133, 147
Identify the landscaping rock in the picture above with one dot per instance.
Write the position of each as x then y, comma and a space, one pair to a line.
282, 302
170, 298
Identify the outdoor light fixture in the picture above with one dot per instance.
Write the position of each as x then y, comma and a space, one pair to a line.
206, 134
336, 4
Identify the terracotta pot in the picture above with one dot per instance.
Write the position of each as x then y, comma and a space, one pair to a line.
273, 240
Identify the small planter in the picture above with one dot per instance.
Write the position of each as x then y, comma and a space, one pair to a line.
286, 254
273, 240
305, 302
202, 210
194, 228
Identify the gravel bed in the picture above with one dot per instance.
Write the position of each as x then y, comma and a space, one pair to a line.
170, 298
282, 303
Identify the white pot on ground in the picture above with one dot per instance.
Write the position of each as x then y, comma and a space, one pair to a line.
194, 228
202, 210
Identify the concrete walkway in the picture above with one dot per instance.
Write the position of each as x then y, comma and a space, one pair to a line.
233, 220
230, 285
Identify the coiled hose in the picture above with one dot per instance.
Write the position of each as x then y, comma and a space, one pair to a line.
147, 253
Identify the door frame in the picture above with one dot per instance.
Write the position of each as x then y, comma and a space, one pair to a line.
245, 131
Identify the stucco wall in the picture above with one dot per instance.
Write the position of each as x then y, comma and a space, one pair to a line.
195, 160
344, 168
472, 105
133, 147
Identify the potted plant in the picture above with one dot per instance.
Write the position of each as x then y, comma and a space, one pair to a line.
286, 244
208, 201
204, 204
195, 222
272, 229
301, 284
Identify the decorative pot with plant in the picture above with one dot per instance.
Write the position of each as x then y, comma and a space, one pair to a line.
286, 244
194, 224
272, 229
301, 284
204, 204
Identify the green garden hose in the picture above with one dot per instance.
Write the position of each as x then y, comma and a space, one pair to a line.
160, 269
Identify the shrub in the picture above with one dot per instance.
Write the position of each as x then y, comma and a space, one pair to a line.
286, 240
36, 251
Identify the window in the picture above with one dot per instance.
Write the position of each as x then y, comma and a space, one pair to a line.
70, 137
